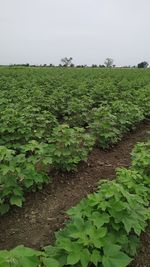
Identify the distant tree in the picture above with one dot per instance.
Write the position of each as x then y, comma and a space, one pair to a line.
66, 61
94, 66
81, 66
109, 62
101, 66
143, 64
24, 65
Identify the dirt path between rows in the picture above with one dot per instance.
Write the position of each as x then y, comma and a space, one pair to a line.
44, 212
143, 255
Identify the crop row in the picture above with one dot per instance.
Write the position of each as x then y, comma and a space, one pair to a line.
104, 228
28, 166
52, 119
33, 102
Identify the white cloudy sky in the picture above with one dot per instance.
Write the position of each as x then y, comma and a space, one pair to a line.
44, 31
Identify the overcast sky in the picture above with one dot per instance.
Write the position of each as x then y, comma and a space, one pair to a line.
44, 31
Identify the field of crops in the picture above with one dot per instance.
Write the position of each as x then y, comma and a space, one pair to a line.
51, 118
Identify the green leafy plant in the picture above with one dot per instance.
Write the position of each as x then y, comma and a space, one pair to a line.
103, 229
141, 158
78, 111
104, 127
127, 113
20, 257
20, 124
17, 174
68, 146
35, 104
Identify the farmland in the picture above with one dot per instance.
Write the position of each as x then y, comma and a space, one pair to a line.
51, 119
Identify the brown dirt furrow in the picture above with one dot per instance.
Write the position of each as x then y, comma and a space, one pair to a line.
43, 212
142, 258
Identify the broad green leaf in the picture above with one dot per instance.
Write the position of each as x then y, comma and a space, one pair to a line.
85, 257
25, 251
28, 261
113, 257
73, 257
48, 262
51, 251
96, 257
100, 219
119, 260
66, 244
111, 250
16, 200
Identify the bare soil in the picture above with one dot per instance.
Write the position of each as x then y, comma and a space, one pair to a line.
43, 212
143, 255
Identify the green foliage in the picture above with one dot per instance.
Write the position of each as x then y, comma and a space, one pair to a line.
35, 101
104, 127
17, 174
108, 123
127, 113
141, 158
21, 124
143, 100
68, 146
20, 257
134, 182
104, 91
103, 229
28, 169
42, 112
78, 111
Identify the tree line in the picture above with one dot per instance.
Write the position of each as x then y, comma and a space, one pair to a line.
68, 62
